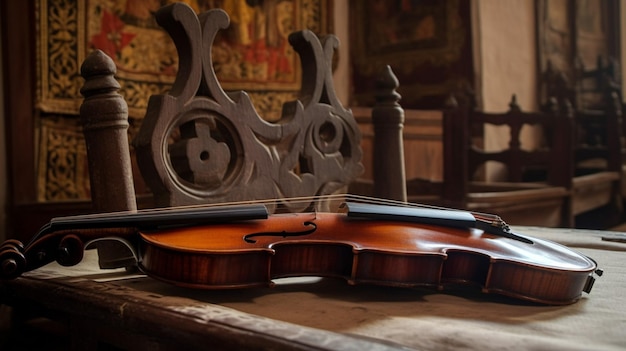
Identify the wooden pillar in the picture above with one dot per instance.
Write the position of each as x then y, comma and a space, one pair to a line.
388, 121
104, 116
456, 144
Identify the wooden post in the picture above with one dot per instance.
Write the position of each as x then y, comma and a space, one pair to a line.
456, 144
388, 121
104, 116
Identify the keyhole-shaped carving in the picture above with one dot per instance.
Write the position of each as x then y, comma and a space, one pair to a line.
198, 157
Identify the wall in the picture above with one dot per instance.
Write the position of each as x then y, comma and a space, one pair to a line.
505, 56
505, 47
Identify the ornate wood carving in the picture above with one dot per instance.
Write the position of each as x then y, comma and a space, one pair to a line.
199, 144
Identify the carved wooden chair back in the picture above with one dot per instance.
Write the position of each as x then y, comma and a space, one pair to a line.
598, 146
598, 161
593, 86
552, 142
515, 197
199, 144
595, 96
584, 88
599, 137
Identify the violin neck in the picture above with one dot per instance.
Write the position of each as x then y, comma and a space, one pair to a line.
360, 206
158, 218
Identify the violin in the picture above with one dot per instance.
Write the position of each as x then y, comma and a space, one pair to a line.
247, 245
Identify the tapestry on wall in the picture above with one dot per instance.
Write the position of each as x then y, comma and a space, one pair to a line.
427, 43
253, 54
63, 173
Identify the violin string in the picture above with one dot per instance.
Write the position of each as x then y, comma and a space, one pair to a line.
486, 217
315, 199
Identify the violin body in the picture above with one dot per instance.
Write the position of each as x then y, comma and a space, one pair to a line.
361, 245
364, 252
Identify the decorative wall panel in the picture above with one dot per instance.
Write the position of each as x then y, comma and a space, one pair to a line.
427, 44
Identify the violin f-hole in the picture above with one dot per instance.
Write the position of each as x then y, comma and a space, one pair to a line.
313, 227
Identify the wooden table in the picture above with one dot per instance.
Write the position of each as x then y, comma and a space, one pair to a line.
82, 308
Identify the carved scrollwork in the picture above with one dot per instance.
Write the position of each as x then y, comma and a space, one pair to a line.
199, 144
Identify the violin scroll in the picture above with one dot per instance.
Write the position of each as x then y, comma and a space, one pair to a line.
66, 247
64, 239
12, 260
15, 259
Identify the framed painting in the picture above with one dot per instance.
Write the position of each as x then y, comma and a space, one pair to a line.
427, 43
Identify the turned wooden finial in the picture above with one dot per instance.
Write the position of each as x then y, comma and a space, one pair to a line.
104, 116
98, 70
451, 102
388, 121
566, 107
552, 106
386, 85
513, 105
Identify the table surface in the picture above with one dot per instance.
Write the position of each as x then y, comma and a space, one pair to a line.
311, 311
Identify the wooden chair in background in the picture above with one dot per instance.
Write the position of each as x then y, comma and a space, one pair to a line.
598, 165
594, 95
199, 144
545, 202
